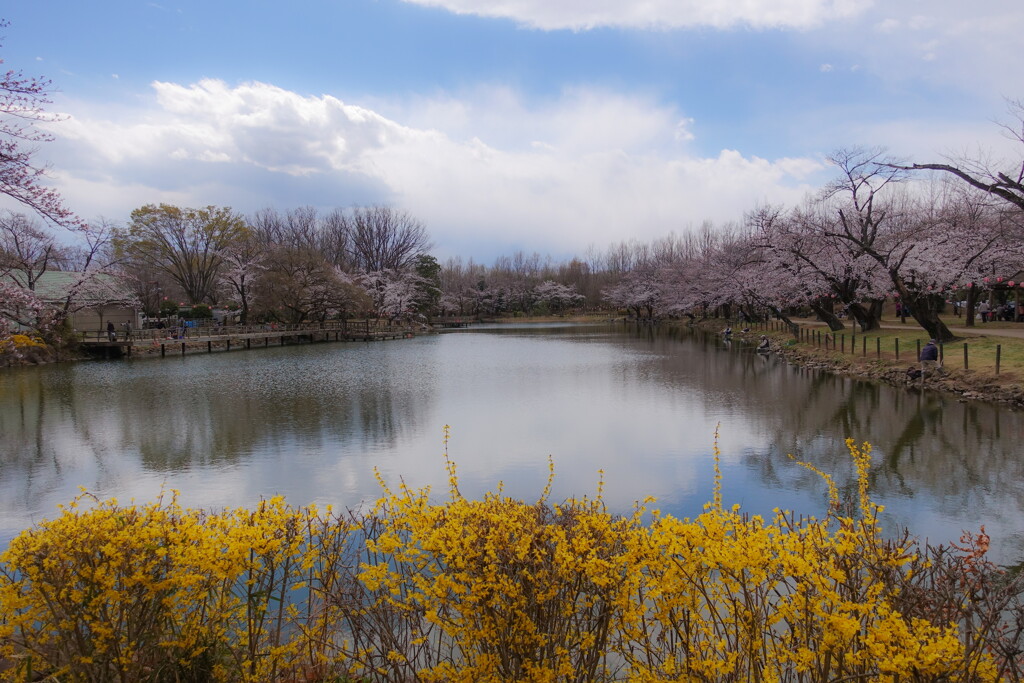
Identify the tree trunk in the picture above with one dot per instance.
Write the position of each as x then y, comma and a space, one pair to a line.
928, 318
868, 317
827, 316
793, 327
972, 301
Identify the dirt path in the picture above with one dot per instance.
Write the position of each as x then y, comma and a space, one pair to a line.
1012, 330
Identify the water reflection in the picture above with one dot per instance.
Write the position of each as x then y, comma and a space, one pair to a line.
313, 422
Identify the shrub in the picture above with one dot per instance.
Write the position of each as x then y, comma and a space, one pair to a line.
201, 311
498, 589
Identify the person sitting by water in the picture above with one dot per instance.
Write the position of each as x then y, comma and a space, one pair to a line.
764, 345
727, 332
929, 356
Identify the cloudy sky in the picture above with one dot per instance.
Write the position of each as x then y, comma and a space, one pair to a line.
542, 125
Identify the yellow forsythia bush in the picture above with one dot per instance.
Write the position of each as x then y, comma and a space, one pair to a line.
23, 341
496, 589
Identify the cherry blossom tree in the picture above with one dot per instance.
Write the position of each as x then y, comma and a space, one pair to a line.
20, 308
879, 223
926, 247
396, 295
243, 264
23, 101
639, 291
556, 296
820, 270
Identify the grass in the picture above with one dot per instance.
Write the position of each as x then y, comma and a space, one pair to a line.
985, 359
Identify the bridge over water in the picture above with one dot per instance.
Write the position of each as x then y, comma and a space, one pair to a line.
224, 336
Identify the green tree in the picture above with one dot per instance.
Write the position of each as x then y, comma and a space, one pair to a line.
428, 285
188, 245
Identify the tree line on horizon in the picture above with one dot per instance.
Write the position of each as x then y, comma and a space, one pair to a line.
882, 230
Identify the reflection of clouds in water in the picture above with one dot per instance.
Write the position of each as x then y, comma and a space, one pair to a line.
312, 423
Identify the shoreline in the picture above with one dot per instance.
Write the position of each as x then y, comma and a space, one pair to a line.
965, 385
1004, 388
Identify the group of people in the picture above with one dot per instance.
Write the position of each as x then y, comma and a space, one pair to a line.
1007, 312
112, 331
763, 345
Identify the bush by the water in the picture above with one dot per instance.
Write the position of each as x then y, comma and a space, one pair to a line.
22, 348
498, 589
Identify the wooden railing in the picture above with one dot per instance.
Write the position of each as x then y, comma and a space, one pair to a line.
206, 332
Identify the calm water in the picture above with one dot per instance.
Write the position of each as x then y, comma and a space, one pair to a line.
313, 422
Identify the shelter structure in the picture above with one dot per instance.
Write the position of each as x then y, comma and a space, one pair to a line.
90, 300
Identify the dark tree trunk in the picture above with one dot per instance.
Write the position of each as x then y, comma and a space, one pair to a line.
828, 317
972, 301
925, 310
868, 317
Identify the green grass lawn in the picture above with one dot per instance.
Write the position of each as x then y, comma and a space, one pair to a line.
976, 351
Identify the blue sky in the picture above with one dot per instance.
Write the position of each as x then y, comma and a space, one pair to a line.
542, 125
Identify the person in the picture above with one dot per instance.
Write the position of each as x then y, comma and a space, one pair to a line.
983, 310
929, 356
111, 333
764, 346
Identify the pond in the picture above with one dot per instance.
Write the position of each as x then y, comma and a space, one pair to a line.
315, 422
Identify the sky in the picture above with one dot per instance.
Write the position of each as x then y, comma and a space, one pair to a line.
548, 126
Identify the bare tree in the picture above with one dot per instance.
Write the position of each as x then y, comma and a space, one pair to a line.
984, 173
383, 238
336, 239
27, 249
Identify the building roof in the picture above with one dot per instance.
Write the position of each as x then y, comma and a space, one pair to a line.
54, 285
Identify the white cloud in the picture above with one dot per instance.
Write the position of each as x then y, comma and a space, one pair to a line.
948, 43
657, 14
590, 168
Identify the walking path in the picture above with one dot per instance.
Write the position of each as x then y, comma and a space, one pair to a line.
981, 329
